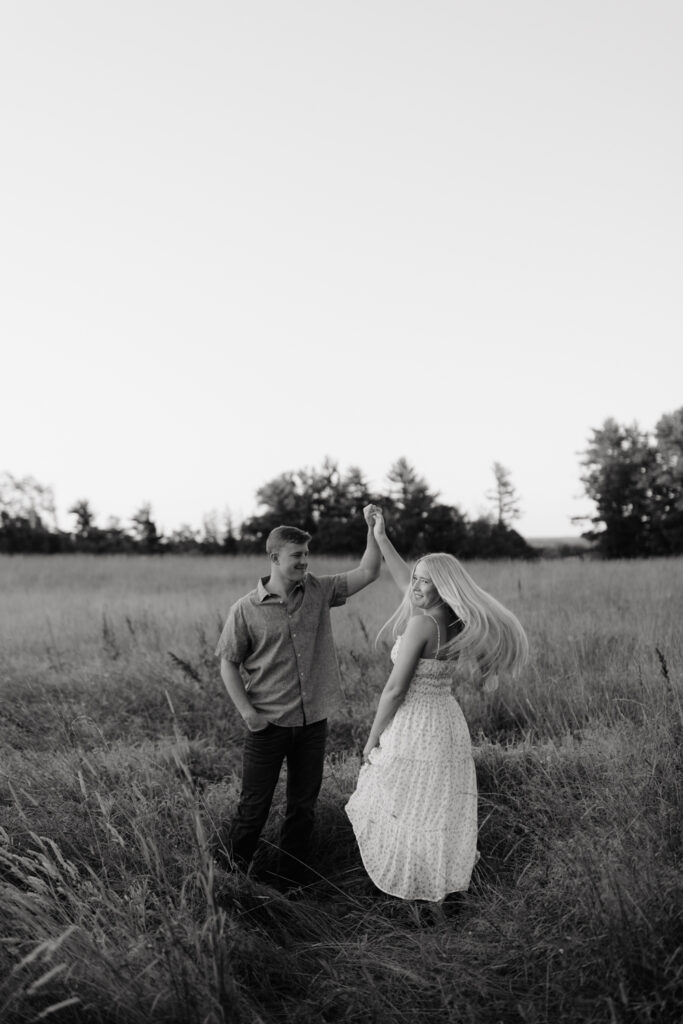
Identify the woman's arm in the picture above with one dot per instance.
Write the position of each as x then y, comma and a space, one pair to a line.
397, 567
418, 631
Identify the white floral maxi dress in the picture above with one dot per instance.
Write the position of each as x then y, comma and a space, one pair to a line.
414, 809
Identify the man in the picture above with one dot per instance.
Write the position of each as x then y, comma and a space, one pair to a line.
279, 667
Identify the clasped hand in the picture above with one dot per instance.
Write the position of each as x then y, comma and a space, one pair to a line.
375, 519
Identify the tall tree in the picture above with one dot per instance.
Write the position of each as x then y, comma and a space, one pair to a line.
28, 518
146, 532
85, 517
503, 497
210, 538
409, 503
356, 491
26, 498
618, 474
284, 502
445, 529
667, 485
230, 541
342, 529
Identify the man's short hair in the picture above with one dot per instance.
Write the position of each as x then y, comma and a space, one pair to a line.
282, 535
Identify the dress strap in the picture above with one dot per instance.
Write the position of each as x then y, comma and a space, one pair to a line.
438, 634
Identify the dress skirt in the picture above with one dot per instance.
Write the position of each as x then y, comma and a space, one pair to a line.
414, 809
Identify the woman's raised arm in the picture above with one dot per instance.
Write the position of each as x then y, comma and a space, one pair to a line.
399, 570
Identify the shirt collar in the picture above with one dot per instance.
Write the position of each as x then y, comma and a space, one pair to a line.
265, 595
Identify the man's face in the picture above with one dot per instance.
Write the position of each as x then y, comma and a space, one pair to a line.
292, 561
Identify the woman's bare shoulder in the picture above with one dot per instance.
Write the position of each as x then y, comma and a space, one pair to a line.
419, 626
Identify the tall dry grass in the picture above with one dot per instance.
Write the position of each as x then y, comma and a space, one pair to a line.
120, 757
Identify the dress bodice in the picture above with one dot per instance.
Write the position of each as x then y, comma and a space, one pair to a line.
430, 672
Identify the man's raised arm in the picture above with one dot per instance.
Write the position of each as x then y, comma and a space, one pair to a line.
370, 563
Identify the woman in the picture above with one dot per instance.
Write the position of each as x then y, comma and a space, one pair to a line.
414, 810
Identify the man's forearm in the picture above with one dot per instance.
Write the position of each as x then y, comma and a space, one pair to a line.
234, 684
369, 566
371, 561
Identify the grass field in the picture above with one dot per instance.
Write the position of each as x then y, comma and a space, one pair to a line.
120, 755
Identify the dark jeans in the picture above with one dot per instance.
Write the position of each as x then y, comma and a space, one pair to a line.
304, 748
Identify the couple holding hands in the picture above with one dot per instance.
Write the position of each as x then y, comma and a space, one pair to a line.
414, 809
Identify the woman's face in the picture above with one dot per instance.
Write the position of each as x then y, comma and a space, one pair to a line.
423, 591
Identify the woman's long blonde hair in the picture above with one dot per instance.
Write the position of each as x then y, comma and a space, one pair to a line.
491, 638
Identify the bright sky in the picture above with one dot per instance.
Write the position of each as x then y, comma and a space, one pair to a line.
238, 237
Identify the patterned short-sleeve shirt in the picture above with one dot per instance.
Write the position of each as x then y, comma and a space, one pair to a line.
285, 649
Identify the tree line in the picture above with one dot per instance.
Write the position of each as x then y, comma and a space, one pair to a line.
634, 478
325, 501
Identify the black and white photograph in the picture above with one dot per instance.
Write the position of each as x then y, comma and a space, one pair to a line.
341, 512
